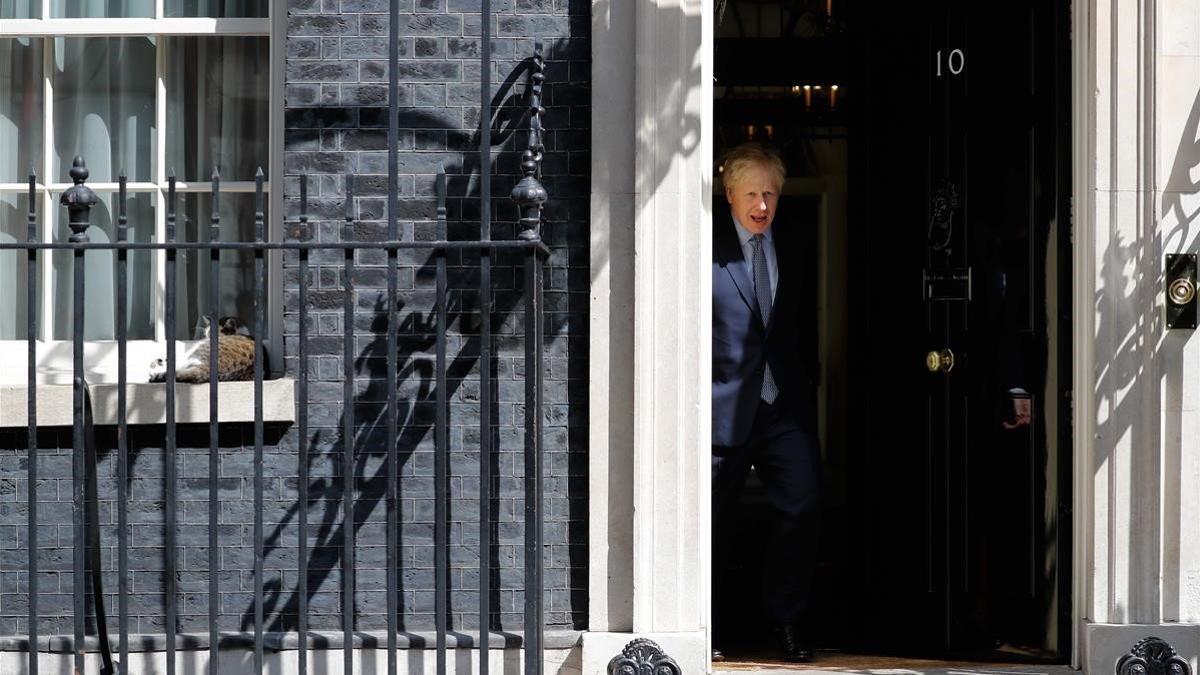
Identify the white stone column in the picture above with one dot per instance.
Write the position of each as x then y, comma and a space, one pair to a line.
1137, 73
650, 330
1177, 203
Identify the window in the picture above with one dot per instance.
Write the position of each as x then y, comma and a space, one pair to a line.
148, 87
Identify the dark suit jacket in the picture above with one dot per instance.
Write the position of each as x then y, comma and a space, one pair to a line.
741, 345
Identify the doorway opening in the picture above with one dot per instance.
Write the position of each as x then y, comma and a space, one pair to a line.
928, 173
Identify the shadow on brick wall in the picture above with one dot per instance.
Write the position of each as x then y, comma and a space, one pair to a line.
566, 423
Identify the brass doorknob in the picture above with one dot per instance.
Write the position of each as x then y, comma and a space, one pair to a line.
939, 361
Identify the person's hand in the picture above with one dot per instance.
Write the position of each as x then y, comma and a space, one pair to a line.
1022, 413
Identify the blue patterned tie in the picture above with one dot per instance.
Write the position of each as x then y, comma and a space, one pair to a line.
762, 289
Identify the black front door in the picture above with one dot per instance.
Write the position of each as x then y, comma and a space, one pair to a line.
959, 288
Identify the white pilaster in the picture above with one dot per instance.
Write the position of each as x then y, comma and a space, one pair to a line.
651, 252
1137, 64
1177, 203
1119, 406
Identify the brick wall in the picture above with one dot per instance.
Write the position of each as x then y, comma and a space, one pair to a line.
336, 112
147, 488
336, 123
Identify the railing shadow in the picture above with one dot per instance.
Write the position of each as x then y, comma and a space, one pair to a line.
415, 368
1177, 214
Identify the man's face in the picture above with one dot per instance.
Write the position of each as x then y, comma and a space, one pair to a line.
754, 198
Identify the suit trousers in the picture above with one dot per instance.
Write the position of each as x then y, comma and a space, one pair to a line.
787, 460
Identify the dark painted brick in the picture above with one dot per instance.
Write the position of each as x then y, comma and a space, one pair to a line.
428, 47
364, 95
322, 71
303, 48
462, 47
316, 162
302, 94
353, 6
413, 71
432, 24
322, 25
473, 6
320, 118
429, 95
372, 47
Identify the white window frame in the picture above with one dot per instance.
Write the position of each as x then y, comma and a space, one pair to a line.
54, 356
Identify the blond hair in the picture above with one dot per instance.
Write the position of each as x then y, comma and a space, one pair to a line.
741, 158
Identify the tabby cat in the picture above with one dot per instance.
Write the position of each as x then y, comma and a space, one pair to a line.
235, 355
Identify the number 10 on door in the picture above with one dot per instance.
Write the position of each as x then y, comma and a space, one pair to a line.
954, 62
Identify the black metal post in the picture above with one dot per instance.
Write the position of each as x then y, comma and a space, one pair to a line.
441, 563
393, 459
122, 429
260, 327
485, 339
214, 461
302, 439
348, 435
79, 200
169, 457
529, 194
533, 463
31, 312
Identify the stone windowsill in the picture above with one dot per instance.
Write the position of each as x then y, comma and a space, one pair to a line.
146, 403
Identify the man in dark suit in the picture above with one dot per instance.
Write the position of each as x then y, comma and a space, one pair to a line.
763, 383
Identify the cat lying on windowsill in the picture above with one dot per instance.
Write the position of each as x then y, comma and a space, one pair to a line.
235, 355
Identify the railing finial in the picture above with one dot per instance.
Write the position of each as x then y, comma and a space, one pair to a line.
79, 200
529, 193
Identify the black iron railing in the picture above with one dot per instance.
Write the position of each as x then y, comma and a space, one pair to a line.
79, 199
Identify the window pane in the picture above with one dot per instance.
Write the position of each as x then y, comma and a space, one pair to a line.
104, 106
237, 267
101, 8
100, 270
14, 209
20, 108
215, 8
20, 9
217, 93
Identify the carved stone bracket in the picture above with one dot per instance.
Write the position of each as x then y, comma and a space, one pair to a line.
1150, 656
645, 657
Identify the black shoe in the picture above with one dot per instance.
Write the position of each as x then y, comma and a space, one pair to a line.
795, 649
717, 655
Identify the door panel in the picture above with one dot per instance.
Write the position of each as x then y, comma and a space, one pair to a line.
962, 157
